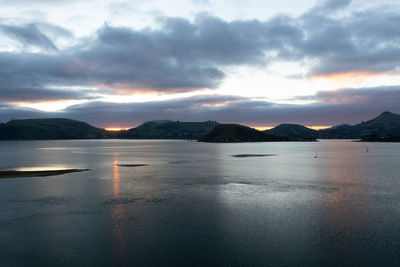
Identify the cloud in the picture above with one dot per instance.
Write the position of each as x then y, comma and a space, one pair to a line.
182, 55
35, 78
20, 2
366, 41
329, 6
9, 112
383, 95
225, 109
29, 35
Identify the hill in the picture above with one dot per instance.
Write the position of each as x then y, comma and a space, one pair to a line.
230, 133
385, 127
170, 130
296, 131
386, 124
42, 129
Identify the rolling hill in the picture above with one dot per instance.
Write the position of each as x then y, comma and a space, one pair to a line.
385, 127
42, 129
231, 133
296, 131
170, 130
386, 124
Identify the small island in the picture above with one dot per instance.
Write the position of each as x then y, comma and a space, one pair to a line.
235, 133
132, 165
41, 173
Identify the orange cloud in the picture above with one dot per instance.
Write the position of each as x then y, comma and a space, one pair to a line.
221, 104
351, 76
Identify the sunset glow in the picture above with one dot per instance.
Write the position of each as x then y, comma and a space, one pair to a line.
116, 129
316, 127
352, 76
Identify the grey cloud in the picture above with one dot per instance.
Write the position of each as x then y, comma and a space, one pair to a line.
185, 56
54, 31
35, 77
39, 94
29, 35
241, 110
181, 56
384, 95
331, 6
235, 110
8, 112
35, 2
366, 41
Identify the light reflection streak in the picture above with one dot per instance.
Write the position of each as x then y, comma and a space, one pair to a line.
116, 176
344, 172
117, 214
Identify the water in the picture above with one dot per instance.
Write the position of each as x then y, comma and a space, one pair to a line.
196, 205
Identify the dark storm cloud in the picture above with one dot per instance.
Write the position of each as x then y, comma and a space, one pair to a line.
29, 35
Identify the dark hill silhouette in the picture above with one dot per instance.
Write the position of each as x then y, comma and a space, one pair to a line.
297, 131
41, 129
386, 124
384, 127
228, 133
170, 130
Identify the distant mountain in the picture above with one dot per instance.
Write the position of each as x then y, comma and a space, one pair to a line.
42, 129
170, 130
386, 124
343, 131
229, 133
296, 131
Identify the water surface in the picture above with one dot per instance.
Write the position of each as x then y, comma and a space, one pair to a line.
196, 205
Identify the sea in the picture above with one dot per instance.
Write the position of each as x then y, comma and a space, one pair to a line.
325, 203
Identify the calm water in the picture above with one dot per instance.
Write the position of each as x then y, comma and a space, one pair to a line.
195, 204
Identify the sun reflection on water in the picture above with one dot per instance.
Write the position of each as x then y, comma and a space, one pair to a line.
118, 213
116, 176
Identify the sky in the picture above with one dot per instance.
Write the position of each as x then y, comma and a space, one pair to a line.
116, 64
